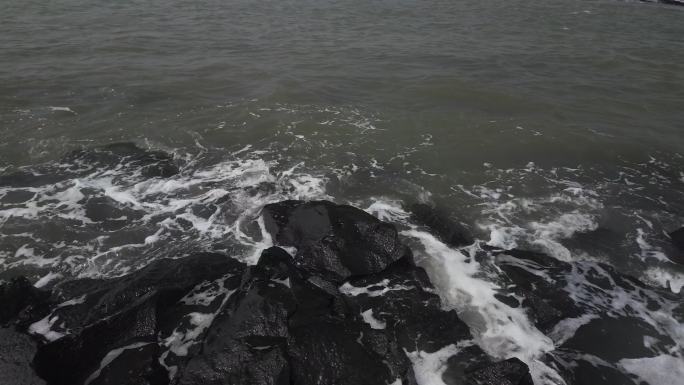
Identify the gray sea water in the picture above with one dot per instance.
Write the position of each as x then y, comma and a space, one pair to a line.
553, 125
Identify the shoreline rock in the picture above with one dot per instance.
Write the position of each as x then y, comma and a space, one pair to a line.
350, 307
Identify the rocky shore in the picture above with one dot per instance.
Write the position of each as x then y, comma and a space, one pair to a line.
349, 307
338, 299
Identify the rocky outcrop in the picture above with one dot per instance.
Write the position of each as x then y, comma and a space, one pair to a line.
334, 241
16, 352
677, 238
350, 307
449, 231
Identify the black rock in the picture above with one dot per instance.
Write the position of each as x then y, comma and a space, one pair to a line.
449, 231
104, 316
16, 352
21, 301
286, 326
677, 238
334, 241
546, 302
247, 341
509, 372
72, 358
327, 352
613, 339
134, 364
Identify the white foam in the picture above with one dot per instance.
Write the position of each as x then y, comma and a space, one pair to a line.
372, 321
648, 250
500, 330
666, 278
182, 338
565, 329
429, 367
373, 290
44, 328
47, 278
63, 109
547, 235
660, 370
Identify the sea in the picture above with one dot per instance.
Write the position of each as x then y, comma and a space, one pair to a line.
555, 126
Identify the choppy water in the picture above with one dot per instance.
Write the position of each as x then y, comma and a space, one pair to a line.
550, 125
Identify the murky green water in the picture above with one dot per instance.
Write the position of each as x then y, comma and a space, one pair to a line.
551, 125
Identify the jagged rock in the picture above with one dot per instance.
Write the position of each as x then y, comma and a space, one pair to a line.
350, 308
402, 299
449, 231
134, 364
16, 352
547, 303
282, 326
106, 315
677, 238
334, 241
327, 352
21, 301
247, 341
508, 372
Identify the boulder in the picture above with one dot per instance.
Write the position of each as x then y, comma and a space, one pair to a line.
16, 352
334, 241
677, 238
508, 372
103, 319
449, 231
21, 301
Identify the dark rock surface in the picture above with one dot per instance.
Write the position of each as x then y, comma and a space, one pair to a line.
334, 241
20, 302
350, 308
451, 232
508, 372
677, 238
119, 312
16, 352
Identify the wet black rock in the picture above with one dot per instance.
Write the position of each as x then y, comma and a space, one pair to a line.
546, 301
334, 241
16, 352
677, 238
247, 341
105, 315
282, 327
21, 302
350, 308
449, 231
508, 372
